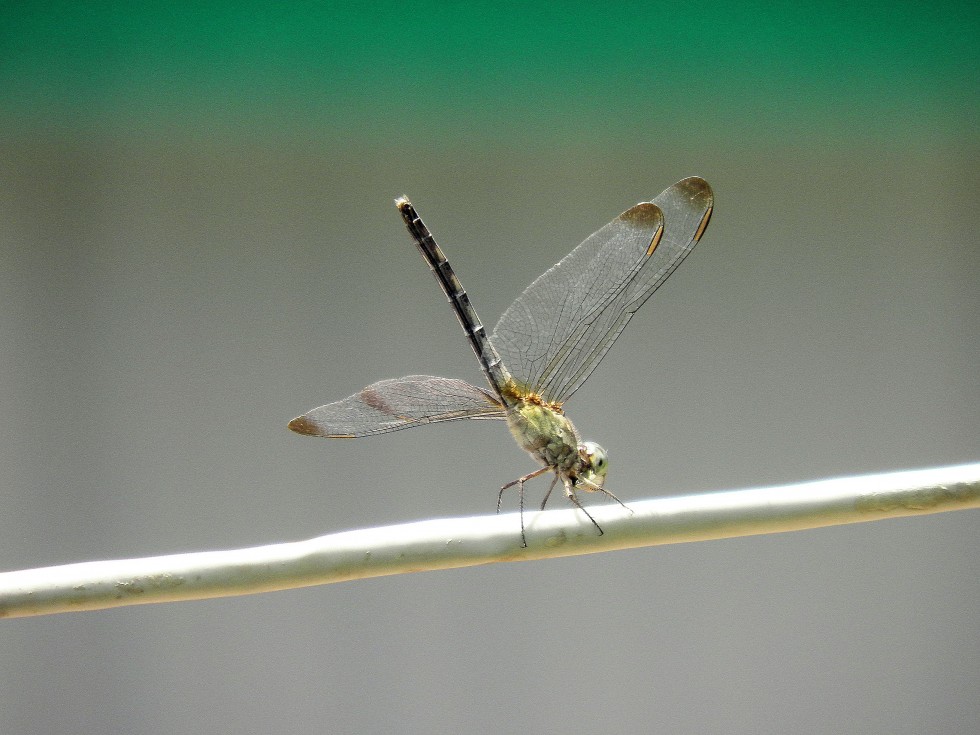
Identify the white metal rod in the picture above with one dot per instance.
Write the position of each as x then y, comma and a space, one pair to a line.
461, 542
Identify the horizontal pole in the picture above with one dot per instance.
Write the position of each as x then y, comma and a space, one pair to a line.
460, 542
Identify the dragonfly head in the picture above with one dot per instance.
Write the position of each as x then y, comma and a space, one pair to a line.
595, 464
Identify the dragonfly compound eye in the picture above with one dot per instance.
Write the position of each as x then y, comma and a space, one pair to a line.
596, 457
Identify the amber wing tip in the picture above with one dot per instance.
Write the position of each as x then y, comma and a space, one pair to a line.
303, 425
696, 187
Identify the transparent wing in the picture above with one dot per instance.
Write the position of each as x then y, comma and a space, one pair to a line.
556, 332
390, 405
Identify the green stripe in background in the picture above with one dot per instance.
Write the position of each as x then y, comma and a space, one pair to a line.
493, 71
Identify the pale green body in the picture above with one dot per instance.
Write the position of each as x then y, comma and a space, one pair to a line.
549, 437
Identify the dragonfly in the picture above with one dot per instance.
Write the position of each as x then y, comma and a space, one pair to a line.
544, 347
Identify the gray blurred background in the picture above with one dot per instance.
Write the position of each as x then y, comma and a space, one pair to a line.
198, 242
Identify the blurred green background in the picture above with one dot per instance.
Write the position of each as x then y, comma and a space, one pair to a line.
198, 242
490, 75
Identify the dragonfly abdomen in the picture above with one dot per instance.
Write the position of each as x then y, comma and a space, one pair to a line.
475, 332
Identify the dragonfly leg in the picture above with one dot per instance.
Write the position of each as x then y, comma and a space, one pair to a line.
520, 494
519, 481
594, 488
570, 494
548, 494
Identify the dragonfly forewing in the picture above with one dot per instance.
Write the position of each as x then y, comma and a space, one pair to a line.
556, 332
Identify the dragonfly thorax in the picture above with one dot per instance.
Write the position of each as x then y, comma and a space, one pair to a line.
551, 438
